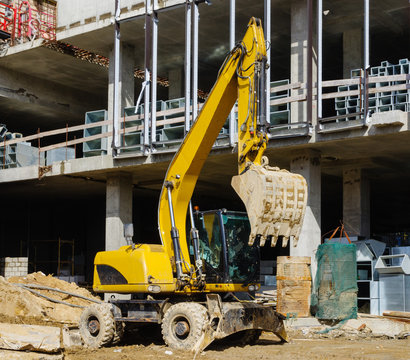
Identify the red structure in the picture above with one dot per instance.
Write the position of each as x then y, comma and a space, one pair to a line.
28, 20
7, 20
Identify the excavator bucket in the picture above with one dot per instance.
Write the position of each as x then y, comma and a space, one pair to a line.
275, 201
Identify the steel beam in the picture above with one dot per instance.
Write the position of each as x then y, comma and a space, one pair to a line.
319, 57
116, 113
309, 95
154, 17
195, 31
187, 64
147, 74
232, 122
366, 58
268, 39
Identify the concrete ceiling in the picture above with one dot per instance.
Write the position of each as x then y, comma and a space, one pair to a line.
388, 17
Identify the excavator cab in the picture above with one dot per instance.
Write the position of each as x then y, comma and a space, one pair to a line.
224, 250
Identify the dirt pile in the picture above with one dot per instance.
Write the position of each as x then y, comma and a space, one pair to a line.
19, 305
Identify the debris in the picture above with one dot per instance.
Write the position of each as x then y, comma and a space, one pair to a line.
397, 314
361, 327
18, 305
20, 355
117, 350
168, 352
71, 337
30, 337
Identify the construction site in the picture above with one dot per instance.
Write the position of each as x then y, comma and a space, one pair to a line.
185, 179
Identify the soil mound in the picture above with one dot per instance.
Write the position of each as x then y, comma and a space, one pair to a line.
18, 305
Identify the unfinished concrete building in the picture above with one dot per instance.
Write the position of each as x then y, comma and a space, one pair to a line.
96, 96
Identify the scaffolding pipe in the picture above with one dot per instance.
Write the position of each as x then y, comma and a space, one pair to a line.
154, 68
187, 64
195, 26
309, 62
147, 74
319, 57
366, 58
268, 39
116, 113
232, 122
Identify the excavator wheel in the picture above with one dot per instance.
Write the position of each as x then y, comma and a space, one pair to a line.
97, 325
183, 325
243, 338
118, 333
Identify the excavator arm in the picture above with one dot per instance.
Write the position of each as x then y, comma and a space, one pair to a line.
275, 199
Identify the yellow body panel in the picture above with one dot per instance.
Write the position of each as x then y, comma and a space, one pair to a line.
143, 266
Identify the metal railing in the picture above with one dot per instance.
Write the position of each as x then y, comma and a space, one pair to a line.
171, 120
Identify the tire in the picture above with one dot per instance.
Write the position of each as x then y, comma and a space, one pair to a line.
118, 333
183, 325
245, 337
97, 325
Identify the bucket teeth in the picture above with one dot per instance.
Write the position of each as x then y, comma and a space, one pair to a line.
275, 201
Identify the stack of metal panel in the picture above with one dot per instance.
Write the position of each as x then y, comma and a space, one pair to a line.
99, 146
172, 134
20, 154
279, 114
394, 275
381, 101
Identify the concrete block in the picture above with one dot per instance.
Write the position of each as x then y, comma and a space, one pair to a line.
61, 154
266, 270
393, 118
30, 337
71, 338
379, 326
22, 355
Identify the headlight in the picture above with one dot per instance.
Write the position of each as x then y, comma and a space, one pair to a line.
154, 288
251, 288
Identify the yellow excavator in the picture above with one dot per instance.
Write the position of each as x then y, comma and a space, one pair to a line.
198, 284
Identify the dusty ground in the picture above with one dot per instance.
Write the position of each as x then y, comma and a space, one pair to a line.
267, 347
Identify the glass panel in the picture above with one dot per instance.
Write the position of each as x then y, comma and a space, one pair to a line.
210, 242
243, 260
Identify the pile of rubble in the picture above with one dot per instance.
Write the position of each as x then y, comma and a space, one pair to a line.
24, 300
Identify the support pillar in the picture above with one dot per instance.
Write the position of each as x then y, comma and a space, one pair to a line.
299, 60
356, 202
176, 83
126, 84
352, 51
118, 209
307, 164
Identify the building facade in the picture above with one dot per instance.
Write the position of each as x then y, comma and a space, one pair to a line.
89, 139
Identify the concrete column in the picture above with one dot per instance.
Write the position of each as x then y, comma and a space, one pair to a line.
307, 164
127, 86
118, 209
356, 202
176, 83
299, 59
352, 51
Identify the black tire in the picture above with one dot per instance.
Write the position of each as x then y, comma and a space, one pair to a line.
245, 337
118, 333
97, 325
194, 315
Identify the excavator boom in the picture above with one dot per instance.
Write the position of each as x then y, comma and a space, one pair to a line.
275, 199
